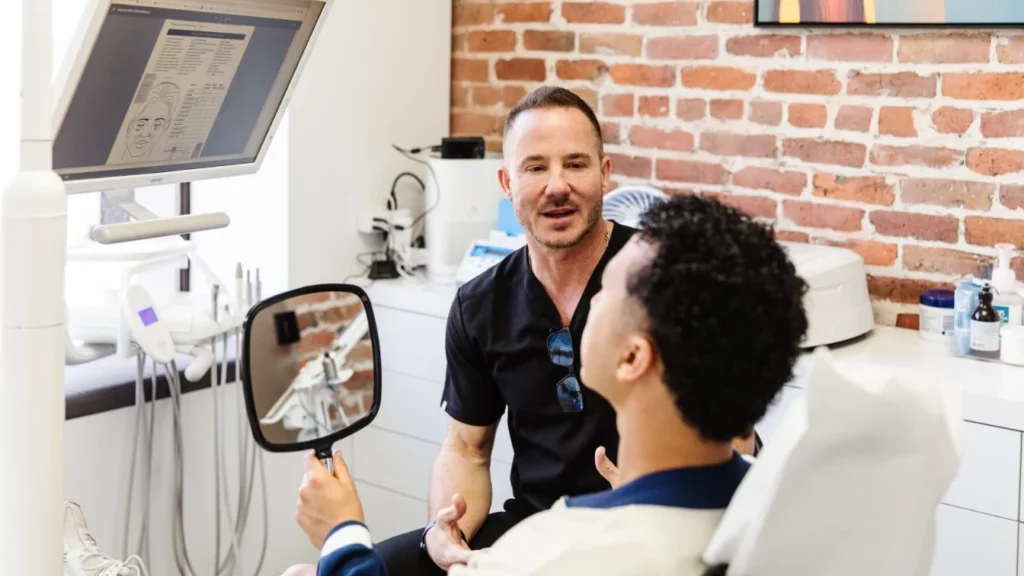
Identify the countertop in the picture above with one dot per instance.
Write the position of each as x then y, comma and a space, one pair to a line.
993, 392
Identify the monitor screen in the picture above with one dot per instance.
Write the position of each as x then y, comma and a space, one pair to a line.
174, 85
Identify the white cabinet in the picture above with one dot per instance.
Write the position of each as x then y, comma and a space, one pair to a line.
390, 513
972, 544
501, 484
411, 343
988, 480
1020, 550
395, 462
411, 406
977, 524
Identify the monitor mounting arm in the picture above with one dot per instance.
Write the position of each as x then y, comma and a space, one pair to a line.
148, 225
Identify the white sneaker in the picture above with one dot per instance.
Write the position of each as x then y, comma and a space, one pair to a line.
82, 557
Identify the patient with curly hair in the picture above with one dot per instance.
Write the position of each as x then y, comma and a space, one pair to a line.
694, 332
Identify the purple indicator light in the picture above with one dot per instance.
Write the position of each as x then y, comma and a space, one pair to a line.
148, 316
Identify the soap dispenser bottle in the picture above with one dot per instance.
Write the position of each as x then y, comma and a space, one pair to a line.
1006, 300
985, 327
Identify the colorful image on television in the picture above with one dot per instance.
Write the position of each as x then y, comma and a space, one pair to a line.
891, 12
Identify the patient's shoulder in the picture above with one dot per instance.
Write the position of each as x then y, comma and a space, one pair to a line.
652, 540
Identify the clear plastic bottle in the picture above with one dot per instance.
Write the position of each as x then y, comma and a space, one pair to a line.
1006, 301
965, 300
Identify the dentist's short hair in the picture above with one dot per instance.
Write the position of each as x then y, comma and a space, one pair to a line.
554, 97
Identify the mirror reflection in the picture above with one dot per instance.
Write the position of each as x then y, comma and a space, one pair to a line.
311, 369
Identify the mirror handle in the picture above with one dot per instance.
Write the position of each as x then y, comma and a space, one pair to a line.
326, 457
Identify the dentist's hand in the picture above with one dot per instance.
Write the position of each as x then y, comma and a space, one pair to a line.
326, 500
444, 541
608, 470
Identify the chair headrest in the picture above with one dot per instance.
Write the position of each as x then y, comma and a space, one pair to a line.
860, 464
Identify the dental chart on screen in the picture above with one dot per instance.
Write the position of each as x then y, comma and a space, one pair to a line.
181, 92
178, 85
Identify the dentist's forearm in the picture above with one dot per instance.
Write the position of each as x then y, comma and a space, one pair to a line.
464, 467
454, 473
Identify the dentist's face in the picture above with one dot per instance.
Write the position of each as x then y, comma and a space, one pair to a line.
555, 175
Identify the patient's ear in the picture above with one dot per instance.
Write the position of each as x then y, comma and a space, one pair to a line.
637, 359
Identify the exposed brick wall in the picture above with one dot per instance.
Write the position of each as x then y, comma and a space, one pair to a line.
905, 146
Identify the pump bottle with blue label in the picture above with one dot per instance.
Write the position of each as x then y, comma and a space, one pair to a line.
1006, 300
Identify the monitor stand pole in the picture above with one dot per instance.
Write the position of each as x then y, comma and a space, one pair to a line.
33, 253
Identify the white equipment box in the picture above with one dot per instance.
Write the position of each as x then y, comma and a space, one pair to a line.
837, 302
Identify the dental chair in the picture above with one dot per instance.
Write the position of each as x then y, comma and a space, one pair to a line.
849, 482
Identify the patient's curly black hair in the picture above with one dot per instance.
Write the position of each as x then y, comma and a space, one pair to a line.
725, 309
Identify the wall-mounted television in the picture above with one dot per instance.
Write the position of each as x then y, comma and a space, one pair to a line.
901, 13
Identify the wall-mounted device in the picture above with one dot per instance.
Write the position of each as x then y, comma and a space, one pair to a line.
463, 196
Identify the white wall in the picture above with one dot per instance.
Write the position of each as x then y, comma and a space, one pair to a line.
393, 88
374, 80
258, 234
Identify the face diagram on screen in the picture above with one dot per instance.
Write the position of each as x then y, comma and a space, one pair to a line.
181, 92
152, 121
167, 86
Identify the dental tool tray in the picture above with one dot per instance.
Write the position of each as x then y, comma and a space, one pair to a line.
94, 309
837, 302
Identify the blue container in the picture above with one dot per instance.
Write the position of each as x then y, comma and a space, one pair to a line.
507, 221
965, 301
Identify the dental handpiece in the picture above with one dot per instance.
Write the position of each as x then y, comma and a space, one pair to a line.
216, 292
248, 287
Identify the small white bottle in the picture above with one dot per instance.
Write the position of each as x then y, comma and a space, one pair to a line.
1007, 301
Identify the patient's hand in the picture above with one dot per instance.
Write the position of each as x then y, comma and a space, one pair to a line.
326, 500
608, 470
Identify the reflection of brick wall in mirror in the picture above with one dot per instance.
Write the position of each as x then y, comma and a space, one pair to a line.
320, 316
272, 368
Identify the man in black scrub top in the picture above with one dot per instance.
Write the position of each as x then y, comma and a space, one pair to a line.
512, 340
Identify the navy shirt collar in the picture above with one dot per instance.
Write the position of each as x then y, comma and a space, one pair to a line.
700, 488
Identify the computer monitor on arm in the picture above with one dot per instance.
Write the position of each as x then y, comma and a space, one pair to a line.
167, 91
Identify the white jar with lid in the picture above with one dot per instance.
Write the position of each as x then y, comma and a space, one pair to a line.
1011, 344
936, 323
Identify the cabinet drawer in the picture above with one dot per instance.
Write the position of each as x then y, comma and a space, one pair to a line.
412, 406
503, 442
1020, 549
501, 484
988, 479
393, 461
969, 543
389, 513
411, 344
